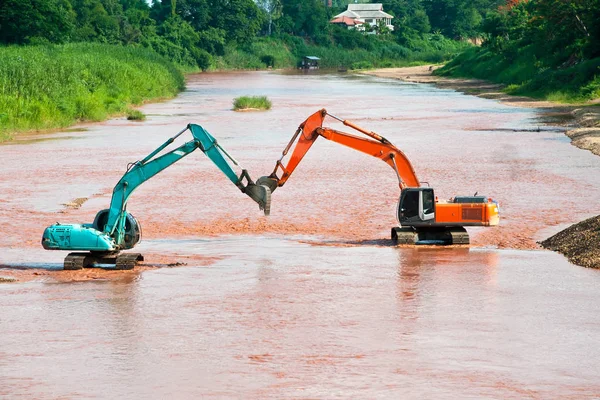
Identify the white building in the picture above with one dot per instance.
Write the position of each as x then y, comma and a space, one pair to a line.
362, 14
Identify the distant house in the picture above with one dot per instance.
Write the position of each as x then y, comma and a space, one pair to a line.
350, 23
359, 15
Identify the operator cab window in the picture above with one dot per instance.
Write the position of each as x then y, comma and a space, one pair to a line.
410, 205
428, 202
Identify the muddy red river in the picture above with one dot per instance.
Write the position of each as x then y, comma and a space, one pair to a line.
313, 301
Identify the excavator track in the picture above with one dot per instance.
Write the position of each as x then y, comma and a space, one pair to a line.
75, 261
444, 236
124, 261
128, 260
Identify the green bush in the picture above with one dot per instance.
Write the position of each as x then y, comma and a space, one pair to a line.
53, 86
202, 58
135, 115
268, 60
254, 102
362, 65
525, 74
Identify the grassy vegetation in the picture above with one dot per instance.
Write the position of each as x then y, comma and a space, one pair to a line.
54, 86
358, 52
135, 115
254, 102
525, 75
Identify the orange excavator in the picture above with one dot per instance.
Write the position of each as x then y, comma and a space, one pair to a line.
422, 217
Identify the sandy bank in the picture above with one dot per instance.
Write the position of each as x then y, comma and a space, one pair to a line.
585, 132
580, 243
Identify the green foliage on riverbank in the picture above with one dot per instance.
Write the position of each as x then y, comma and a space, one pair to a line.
236, 34
523, 75
252, 102
53, 86
347, 49
539, 48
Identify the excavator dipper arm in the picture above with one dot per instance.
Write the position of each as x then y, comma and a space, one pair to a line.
140, 171
375, 145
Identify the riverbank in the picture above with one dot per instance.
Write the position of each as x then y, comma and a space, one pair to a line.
582, 121
55, 86
580, 243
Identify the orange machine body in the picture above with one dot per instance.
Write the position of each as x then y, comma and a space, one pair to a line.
417, 207
467, 214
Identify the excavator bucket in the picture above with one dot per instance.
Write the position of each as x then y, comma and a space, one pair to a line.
260, 194
271, 183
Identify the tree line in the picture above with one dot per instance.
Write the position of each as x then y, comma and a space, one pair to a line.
541, 48
557, 32
191, 31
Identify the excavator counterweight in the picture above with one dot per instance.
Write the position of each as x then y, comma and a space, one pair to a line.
422, 218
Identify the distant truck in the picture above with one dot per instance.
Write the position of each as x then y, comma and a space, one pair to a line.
309, 62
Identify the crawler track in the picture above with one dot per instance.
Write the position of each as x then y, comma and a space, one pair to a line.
443, 236
123, 261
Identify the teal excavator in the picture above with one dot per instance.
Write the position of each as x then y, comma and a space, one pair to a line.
115, 229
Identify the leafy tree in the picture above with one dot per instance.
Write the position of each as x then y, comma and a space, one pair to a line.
139, 24
458, 18
195, 12
568, 27
240, 19
22, 20
273, 9
212, 40
97, 20
306, 18
179, 32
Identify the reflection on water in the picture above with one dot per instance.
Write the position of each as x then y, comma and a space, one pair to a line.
278, 318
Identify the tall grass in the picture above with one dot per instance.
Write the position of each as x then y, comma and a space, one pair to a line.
251, 102
524, 74
54, 86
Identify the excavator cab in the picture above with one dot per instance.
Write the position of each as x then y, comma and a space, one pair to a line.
416, 206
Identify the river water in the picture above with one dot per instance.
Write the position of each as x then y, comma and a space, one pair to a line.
313, 301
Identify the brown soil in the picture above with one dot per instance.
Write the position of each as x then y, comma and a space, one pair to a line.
249, 109
580, 243
585, 134
10, 274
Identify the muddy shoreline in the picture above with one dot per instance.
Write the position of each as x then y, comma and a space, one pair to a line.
582, 122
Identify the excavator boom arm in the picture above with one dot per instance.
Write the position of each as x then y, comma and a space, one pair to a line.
375, 145
140, 171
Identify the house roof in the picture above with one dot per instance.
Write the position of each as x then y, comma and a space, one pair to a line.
374, 14
347, 21
365, 7
364, 11
348, 14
